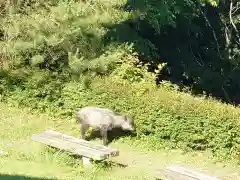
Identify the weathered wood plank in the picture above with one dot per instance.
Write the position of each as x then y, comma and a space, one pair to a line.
87, 162
68, 146
82, 142
75, 145
181, 173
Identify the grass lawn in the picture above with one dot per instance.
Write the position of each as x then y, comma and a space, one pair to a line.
28, 159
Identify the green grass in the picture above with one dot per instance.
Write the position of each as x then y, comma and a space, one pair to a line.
104, 73
30, 159
165, 118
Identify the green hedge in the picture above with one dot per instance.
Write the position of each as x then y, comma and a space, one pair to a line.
163, 118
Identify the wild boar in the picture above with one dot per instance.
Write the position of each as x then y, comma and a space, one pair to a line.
102, 119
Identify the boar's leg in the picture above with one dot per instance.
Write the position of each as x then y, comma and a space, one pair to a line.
84, 128
103, 132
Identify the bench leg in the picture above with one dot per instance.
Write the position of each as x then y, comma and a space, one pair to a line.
86, 162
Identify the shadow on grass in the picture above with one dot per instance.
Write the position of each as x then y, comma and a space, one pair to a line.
109, 164
114, 134
103, 164
20, 177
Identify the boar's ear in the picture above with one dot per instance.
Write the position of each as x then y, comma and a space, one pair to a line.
125, 117
128, 118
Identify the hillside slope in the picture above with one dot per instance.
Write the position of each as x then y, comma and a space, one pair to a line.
30, 159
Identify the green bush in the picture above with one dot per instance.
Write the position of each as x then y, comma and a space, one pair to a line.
34, 50
165, 118
172, 119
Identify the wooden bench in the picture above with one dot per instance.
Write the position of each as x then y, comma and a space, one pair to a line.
76, 146
181, 173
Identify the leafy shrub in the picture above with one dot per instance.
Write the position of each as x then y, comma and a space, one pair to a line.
172, 119
166, 119
54, 60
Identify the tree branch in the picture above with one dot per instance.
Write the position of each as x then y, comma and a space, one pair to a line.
214, 34
235, 9
231, 21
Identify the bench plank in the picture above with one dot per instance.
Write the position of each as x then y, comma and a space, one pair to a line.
181, 173
75, 145
82, 142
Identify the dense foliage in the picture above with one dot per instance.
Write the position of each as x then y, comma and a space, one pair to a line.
57, 56
199, 41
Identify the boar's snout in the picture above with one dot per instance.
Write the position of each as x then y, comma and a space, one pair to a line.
127, 125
